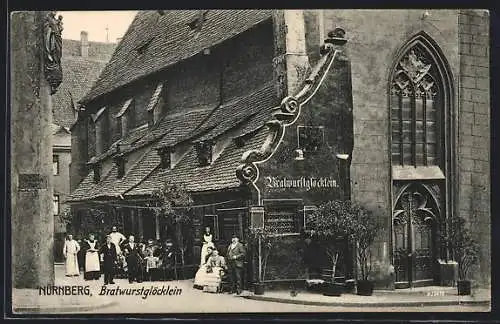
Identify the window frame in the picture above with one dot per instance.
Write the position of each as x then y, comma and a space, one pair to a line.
56, 203
55, 165
415, 99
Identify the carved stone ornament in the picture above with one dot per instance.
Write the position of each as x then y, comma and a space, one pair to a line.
413, 77
52, 49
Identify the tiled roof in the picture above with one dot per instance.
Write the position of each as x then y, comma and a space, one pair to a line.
79, 74
170, 130
88, 188
145, 176
221, 174
169, 41
242, 111
246, 114
96, 50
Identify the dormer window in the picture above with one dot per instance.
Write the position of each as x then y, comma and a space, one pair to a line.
204, 151
122, 116
239, 142
120, 166
141, 49
197, 22
154, 105
97, 172
310, 138
165, 158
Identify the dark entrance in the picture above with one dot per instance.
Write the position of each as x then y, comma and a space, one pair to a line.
415, 227
233, 221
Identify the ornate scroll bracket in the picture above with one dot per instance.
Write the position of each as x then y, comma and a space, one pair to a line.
289, 110
52, 49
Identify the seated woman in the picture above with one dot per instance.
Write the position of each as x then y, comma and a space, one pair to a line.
213, 271
202, 271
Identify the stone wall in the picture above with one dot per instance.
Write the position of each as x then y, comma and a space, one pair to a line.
375, 39
474, 132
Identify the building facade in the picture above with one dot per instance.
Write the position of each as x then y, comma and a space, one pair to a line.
82, 61
264, 114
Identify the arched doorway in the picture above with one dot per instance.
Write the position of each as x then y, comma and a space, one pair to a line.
416, 225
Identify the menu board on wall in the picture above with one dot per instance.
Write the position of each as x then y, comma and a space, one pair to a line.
281, 221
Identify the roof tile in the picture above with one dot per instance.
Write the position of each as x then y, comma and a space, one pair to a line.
171, 41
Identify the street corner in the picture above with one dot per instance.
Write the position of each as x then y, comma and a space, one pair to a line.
57, 299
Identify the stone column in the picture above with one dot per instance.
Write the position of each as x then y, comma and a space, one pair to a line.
31, 151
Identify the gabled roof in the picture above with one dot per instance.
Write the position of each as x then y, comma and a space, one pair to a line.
169, 40
79, 74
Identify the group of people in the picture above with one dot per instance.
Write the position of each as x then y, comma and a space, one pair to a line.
140, 261
150, 261
213, 266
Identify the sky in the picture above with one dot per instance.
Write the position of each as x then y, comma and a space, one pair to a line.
95, 23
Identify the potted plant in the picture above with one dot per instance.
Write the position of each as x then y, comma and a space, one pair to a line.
464, 250
331, 225
263, 240
365, 231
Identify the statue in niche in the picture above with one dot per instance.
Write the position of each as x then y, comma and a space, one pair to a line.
53, 28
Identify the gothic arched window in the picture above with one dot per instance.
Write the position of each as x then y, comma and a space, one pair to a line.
417, 110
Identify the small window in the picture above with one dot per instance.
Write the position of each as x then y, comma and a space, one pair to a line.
310, 138
56, 204
97, 173
141, 49
154, 107
120, 165
204, 151
197, 22
165, 158
55, 164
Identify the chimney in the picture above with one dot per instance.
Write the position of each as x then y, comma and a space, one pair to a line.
84, 44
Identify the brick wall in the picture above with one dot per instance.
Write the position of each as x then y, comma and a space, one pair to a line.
474, 130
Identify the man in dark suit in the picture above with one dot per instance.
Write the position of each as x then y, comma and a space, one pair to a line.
133, 253
235, 260
168, 260
108, 253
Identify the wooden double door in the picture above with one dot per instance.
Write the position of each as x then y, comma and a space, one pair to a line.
415, 230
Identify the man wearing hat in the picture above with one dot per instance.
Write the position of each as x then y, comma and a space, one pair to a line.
236, 256
168, 259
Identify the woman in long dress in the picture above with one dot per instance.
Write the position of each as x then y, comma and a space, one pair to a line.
70, 252
92, 265
215, 268
200, 274
207, 242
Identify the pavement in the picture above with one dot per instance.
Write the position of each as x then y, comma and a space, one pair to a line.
184, 299
32, 301
413, 297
